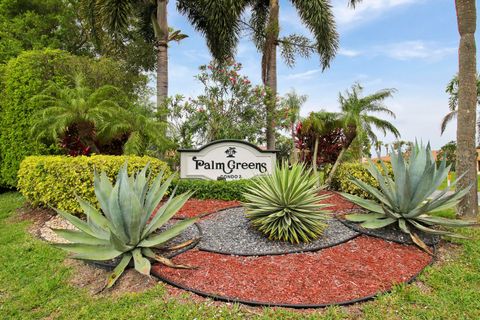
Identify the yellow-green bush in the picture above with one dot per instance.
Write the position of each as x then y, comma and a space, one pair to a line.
341, 181
54, 181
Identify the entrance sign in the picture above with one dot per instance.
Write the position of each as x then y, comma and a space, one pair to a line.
226, 160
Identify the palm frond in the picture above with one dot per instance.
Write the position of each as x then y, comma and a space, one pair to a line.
447, 119
218, 21
317, 15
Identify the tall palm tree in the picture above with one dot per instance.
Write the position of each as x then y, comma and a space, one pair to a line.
116, 17
467, 104
452, 90
221, 23
357, 118
291, 105
79, 111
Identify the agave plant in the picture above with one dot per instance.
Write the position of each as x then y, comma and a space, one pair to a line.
406, 199
285, 205
128, 227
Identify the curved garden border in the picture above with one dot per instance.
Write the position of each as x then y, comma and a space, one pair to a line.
379, 233
256, 303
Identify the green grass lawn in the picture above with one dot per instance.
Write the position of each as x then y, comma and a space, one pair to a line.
33, 285
443, 186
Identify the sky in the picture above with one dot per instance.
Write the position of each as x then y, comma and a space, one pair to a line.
409, 45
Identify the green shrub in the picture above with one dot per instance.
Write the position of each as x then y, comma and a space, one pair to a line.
212, 189
342, 180
125, 231
28, 75
55, 180
286, 205
403, 198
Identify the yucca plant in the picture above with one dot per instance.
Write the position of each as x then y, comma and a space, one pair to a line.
405, 199
128, 227
285, 205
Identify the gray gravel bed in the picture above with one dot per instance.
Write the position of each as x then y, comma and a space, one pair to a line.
192, 232
393, 233
230, 232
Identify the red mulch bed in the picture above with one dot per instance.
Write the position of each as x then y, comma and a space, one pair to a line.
337, 202
196, 207
356, 269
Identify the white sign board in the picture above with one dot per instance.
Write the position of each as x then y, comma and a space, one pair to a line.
226, 160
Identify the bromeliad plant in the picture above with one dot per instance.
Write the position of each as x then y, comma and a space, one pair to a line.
406, 199
128, 227
285, 205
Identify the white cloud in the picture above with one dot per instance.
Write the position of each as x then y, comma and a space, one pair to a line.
409, 50
365, 11
405, 50
349, 53
302, 75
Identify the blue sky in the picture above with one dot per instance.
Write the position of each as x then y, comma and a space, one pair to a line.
410, 45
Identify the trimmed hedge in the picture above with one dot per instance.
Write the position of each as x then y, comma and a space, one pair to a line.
213, 189
54, 181
341, 181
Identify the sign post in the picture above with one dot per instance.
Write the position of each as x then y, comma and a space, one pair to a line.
226, 160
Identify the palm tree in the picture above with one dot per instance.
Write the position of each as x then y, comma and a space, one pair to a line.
221, 23
467, 104
116, 17
378, 148
452, 90
357, 119
77, 111
292, 103
318, 124
136, 125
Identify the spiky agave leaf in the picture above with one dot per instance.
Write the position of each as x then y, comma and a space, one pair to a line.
122, 229
406, 199
285, 205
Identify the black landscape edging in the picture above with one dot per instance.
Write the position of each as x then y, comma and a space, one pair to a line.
286, 305
355, 227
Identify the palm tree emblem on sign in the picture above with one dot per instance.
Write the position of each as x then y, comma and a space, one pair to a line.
231, 152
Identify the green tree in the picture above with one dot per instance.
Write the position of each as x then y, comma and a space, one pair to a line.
147, 18
449, 151
319, 124
290, 113
221, 23
38, 24
358, 121
378, 148
138, 131
30, 74
452, 90
79, 112
230, 107
467, 105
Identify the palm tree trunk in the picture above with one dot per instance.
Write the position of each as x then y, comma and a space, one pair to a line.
162, 58
350, 136
467, 103
294, 155
314, 158
269, 70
